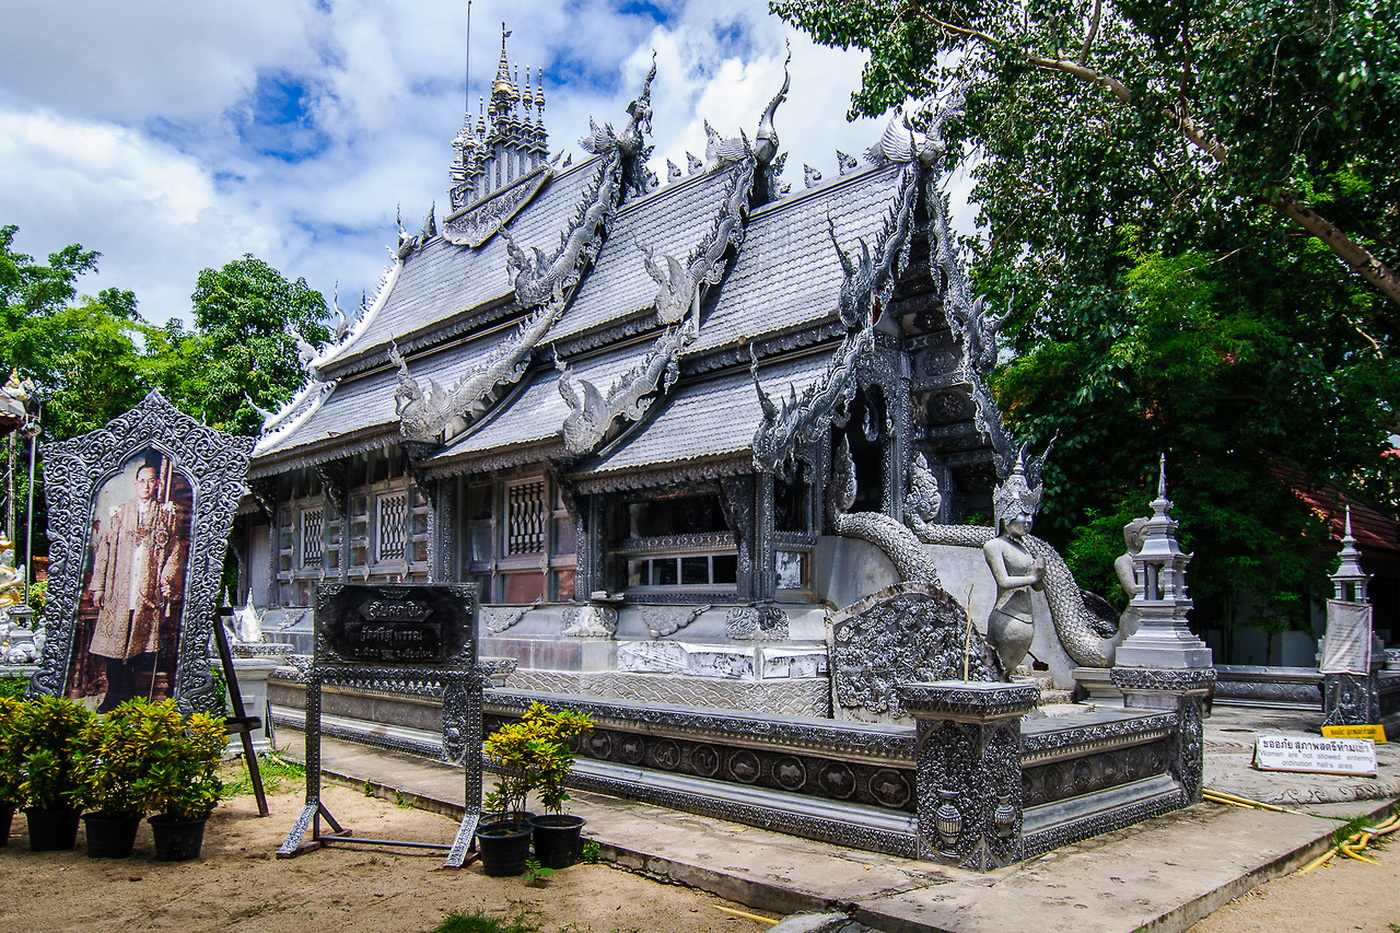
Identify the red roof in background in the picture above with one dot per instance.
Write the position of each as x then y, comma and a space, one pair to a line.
1373, 530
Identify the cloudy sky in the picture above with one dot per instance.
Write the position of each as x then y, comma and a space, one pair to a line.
173, 136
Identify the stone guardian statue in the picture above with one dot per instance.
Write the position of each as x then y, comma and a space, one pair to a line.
1134, 534
1010, 625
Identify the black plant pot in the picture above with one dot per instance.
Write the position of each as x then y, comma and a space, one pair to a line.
505, 846
557, 839
177, 840
52, 830
7, 816
111, 836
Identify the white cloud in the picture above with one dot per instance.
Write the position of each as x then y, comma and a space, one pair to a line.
173, 136
153, 213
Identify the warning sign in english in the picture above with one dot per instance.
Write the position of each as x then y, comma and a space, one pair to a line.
1315, 755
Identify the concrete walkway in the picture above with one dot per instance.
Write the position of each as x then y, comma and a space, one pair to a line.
1164, 874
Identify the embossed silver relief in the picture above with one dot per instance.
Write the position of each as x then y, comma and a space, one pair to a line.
501, 618
764, 621
473, 226
590, 621
904, 634
661, 621
923, 501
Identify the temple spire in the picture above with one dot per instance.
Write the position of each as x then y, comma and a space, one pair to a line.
508, 142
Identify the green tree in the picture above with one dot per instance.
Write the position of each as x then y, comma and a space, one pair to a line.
248, 319
1166, 192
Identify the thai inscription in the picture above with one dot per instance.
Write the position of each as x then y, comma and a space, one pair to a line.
387, 625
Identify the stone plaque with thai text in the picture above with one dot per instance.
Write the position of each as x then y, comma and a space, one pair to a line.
394, 625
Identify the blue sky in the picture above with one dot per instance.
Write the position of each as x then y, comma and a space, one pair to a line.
173, 136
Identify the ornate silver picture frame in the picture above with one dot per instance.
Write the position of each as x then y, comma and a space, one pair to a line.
139, 513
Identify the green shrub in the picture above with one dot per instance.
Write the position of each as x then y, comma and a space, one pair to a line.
46, 732
532, 756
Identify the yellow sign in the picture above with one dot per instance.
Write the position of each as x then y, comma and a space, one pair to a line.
1375, 733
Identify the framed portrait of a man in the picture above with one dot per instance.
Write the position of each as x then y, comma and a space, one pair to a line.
132, 600
139, 514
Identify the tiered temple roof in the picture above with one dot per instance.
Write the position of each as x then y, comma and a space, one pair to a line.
591, 317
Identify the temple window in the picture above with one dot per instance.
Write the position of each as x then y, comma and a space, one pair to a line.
389, 525
312, 540
675, 545
519, 541
525, 517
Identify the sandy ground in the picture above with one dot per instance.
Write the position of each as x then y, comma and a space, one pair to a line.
1342, 896
239, 885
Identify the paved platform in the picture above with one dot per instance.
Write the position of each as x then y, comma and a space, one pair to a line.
1161, 875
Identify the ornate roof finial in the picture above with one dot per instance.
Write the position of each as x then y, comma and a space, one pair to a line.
765, 145
1349, 579
1162, 503
502, 89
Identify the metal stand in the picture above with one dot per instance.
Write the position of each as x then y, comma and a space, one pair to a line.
459, 853
240, 722
457, 674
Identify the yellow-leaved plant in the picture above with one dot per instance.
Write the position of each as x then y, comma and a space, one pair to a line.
533, 755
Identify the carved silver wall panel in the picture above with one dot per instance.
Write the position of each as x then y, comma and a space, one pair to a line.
1184, 691
888, 785
1258, 685
808, 698
906, 633
476, 225
765, 621
76, 471
1350, 699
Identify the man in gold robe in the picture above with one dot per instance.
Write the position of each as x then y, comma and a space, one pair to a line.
138, 574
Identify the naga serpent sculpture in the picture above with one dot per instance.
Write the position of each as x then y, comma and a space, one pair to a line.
1087, 637
900, 545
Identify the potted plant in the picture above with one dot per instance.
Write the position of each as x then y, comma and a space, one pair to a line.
530, 755
556, 833
112, 767
9, 765
46, 731
182, 782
